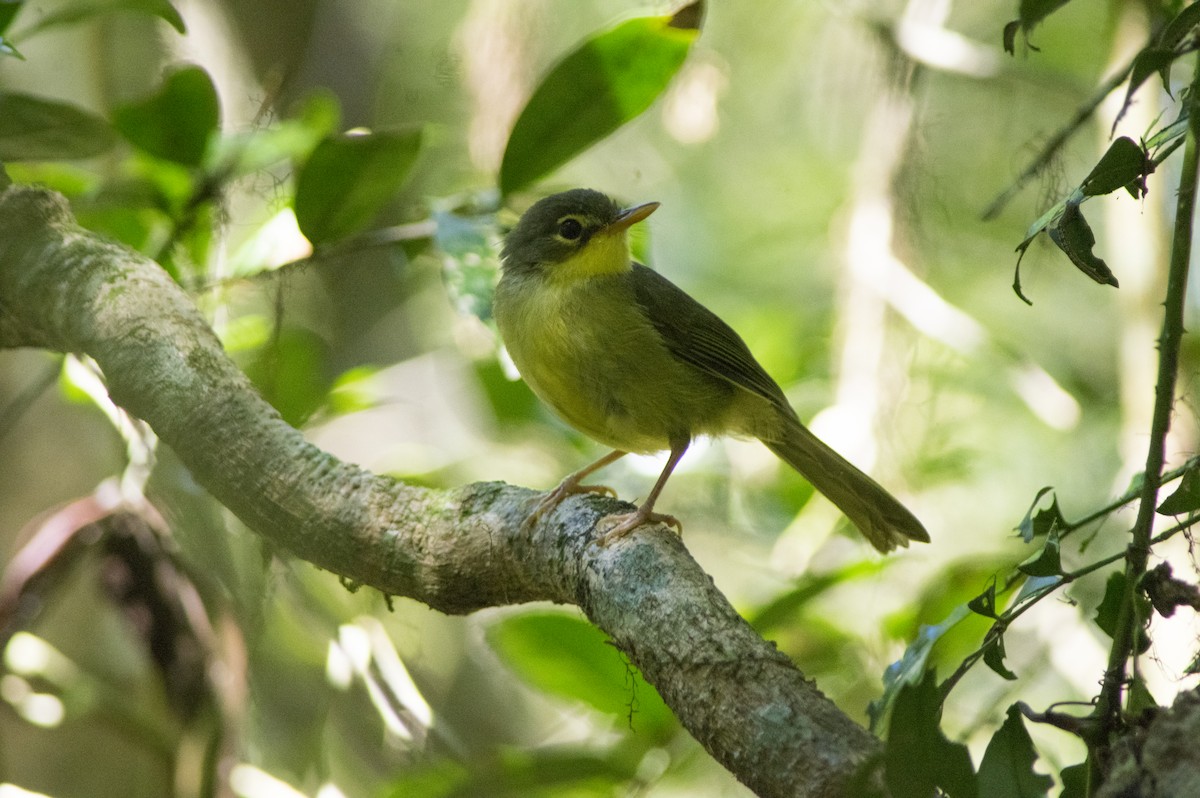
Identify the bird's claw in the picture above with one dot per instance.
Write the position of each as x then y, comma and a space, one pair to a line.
627, 522
557, 496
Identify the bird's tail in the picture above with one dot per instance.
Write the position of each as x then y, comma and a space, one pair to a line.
882, 519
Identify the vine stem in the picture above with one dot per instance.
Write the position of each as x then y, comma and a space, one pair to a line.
1108, 704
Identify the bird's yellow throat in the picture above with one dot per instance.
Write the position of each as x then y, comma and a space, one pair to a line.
606, 253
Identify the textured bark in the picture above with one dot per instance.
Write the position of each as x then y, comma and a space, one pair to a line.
64, 289
1158, 757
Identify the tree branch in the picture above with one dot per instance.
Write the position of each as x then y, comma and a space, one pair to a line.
65, 289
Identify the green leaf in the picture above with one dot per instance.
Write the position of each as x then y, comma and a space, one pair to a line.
1007, 767
34, 129
1034, 11
177, 122
1109, 610
1124, 165
292, 139
985, 603
1031, 526
807, 588
1048, 561
469, 263
607, 81
1186, 498
911, 667
290, 372
1074, 781
917, 756
1140, 699
8, 10
993, 657
1073, 235
568, 657
85, 10
349, 179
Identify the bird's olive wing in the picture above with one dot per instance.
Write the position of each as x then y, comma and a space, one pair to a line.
697, 336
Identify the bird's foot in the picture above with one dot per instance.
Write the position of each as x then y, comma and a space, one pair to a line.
627, 522
556, 497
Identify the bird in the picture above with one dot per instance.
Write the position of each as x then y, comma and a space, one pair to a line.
629, 359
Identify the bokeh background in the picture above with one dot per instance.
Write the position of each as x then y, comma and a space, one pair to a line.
823, 170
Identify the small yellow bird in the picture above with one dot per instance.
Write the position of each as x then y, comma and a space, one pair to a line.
630, 360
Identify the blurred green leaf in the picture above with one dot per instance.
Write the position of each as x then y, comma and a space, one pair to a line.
34, 129
1123, 165
85, 10
808, 587
291, 139
8, 11
349, 179
911, 668
1006, 770
607, 81
993, 657
290, 372
469, 262
177, 122
917, 756
1108, 612
1186, 498
569, 658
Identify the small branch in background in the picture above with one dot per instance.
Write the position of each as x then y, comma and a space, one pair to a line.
1108, 705
1050, 149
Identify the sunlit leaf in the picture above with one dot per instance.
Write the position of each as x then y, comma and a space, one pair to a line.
1006, 770
177, 122
569, 658
607, 81
917, 756
349, 179
34, 129
85, 10
1186, 497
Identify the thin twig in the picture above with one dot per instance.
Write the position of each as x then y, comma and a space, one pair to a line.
1108, 704
1056, 142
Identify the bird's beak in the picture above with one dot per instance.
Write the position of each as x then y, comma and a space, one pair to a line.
631, 216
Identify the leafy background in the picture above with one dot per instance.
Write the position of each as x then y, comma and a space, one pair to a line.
794, 141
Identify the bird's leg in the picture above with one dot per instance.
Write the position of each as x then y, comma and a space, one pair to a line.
570, 486
630, 521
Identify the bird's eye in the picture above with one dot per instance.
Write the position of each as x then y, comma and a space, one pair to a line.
570, 229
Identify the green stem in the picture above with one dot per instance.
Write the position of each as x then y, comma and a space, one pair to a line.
1108, 705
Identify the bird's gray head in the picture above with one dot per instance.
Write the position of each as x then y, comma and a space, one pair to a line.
560, 226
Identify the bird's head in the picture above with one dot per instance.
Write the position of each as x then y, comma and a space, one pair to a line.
576, 234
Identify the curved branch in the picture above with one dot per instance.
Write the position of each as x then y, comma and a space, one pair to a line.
65, 289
